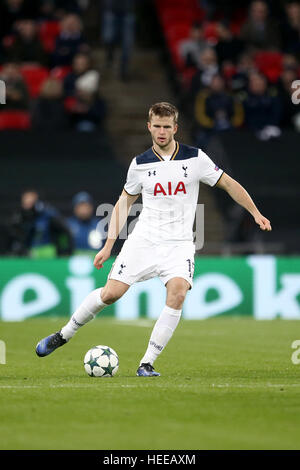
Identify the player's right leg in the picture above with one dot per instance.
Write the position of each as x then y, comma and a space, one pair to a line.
94, 303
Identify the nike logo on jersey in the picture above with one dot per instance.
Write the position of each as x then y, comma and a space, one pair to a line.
168, 191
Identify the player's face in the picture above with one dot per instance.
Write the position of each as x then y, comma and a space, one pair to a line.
162, 130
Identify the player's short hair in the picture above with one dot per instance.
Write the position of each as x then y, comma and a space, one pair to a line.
163, 109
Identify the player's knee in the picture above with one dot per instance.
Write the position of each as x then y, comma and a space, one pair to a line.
109, 296
176, 299
179, 298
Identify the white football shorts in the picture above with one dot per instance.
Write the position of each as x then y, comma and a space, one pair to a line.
140, 259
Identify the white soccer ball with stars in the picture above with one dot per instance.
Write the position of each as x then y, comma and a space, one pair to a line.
101, 361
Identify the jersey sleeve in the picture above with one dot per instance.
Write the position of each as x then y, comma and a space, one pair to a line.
133, 184
209, 172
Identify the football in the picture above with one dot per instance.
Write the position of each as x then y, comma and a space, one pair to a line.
101, 361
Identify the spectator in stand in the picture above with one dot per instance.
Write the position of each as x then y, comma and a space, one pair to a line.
290, 116
47, 11
70, 41
289, 61
240, 78
212, 8
88, 111
26, 46
215, 111
37, 229
260, 31
190, 49
11, 11
48, 112
52, 10
86, 231
118, 27
17, 97
80, 65
291, 28
228, 47
262, 108
206, 70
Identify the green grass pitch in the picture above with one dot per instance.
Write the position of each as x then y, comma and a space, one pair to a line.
226, 383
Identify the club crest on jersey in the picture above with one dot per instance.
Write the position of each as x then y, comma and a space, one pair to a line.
169, 190
184, 169
152, 173
122, 266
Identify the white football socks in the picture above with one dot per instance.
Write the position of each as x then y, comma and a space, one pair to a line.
86, 311
161, 334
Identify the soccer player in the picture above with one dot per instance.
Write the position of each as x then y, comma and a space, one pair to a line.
161, 244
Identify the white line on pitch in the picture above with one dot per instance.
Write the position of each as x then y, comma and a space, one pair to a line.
143, 384
254, 385
65, 386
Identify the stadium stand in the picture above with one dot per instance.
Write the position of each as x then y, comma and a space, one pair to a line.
39, 42
18, 120
177, 18
260, 80
220, 113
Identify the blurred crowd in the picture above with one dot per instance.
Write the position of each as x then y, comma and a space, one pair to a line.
242, 74
37, 229
53, 83
45, 62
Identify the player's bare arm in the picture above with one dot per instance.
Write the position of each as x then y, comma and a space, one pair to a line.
240, 195
117, 221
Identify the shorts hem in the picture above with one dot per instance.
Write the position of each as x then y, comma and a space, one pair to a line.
115, 278
165, 280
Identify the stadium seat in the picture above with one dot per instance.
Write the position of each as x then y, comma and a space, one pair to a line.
174, 35
177, 32
228, 71
60, 73
69, 103
210, 32
171, 16
18, 120
187, 76
238, 19
49, 30
175, 3
176, 17
34, 76
269, 63
176, 59
8, 40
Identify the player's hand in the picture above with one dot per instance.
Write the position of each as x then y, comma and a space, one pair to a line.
101, 257
263, 222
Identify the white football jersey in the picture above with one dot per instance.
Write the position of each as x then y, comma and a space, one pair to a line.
169, 191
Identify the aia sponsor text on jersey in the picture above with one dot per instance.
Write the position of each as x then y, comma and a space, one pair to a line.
168, 191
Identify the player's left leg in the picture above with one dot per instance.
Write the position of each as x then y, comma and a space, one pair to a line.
166, 324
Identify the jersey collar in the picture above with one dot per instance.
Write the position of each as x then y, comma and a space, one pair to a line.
173, 154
